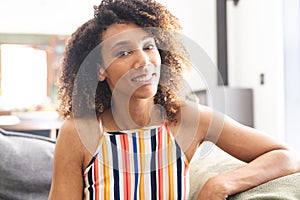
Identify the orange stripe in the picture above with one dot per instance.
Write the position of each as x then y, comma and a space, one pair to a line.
96, 179
184, 180
142, 163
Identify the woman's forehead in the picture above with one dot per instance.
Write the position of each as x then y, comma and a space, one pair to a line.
123, 33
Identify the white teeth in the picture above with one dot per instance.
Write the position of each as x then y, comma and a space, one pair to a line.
142, 78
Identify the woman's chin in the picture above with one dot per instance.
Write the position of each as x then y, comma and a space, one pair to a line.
145, 92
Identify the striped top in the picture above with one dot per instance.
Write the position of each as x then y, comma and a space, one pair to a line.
137, 164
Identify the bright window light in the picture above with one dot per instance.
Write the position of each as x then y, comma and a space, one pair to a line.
24, 76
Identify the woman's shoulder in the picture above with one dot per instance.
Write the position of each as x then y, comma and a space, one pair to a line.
195, 116
192, 116
78, 139
68, 126
68, 136
68, 131
84, 132
201, 116
191, 110
190, 127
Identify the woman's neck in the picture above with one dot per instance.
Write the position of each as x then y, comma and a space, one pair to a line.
135, 113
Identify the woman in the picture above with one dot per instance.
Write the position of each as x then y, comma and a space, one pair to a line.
127, 134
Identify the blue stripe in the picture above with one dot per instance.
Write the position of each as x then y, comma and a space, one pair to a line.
153, 165
136, 168
114, 150
179, 170
90, 179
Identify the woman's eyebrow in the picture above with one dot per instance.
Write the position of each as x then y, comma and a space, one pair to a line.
121, 43
146, 37
127, 42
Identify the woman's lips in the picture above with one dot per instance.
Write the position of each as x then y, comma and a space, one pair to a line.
144, 78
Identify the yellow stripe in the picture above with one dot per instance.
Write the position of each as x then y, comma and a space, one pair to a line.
142, 163
106, 171
170, 169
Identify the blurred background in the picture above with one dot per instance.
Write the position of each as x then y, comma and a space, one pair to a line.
255, 44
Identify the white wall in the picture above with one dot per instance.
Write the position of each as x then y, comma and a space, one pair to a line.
292, 70
255, 47
198, 18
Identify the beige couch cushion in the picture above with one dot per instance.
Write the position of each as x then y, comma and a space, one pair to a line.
217, 161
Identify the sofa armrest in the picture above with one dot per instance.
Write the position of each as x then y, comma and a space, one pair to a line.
218, 161
284, 188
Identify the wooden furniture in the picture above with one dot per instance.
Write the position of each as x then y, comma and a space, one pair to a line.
47, 127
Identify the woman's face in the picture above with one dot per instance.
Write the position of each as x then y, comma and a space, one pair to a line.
131, 61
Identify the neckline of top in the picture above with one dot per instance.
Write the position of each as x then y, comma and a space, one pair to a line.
130, 131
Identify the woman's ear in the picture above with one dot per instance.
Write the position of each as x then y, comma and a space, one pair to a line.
101, 72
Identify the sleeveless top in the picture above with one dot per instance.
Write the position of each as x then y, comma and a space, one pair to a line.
141, 164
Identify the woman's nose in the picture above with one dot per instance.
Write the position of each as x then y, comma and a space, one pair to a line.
141, 58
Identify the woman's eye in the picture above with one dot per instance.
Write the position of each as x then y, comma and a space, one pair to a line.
149, 47
123, 53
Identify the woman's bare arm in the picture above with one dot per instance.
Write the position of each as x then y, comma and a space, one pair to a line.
267, 158
67, 181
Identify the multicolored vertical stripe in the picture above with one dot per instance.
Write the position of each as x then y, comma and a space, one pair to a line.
137, 164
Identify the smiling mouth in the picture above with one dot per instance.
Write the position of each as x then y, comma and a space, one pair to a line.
144, 78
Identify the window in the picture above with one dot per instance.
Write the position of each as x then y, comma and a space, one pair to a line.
29, 68
24, 76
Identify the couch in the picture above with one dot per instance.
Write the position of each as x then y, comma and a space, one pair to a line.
26, 166
211, 161
26, 171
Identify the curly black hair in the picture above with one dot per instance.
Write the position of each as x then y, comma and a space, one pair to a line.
81, 93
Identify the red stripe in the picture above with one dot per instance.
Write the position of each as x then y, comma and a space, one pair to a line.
160, 172
126, 175
128, 166
96, 179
